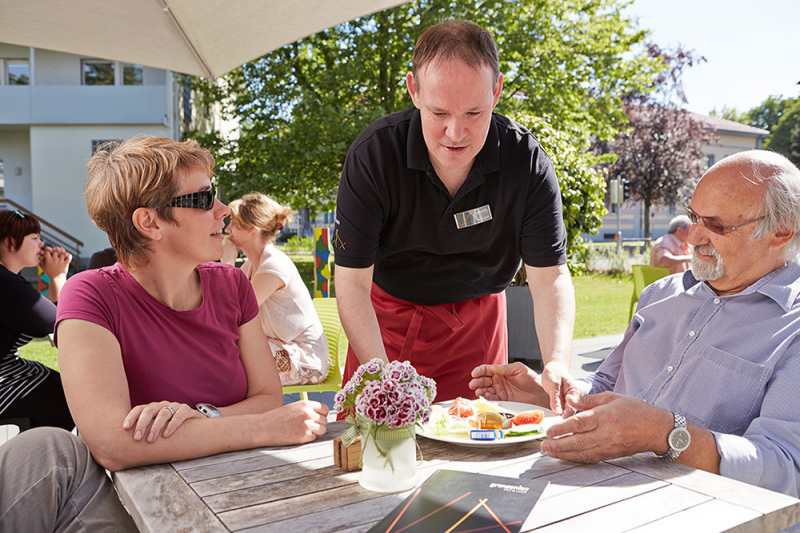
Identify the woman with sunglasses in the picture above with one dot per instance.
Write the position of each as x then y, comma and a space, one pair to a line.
28, 389
286, 312
162, 353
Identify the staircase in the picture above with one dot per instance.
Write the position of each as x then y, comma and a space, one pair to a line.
51, 235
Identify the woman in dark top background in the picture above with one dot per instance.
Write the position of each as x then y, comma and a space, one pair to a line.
28, 389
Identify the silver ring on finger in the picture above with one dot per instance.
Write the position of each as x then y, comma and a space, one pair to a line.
171, 410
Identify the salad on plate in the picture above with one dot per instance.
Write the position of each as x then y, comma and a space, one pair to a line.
481, 422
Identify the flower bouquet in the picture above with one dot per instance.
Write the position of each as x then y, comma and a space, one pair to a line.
383, 403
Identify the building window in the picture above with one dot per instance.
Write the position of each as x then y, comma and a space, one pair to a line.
711, 159
15, 72
132, 74
98, 72
104, 72
18, 72
2, 181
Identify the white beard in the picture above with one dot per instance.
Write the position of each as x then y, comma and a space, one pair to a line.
704, 270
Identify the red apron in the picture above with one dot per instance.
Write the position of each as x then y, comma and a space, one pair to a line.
444, 342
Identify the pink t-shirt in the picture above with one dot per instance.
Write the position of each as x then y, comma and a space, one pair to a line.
179, 356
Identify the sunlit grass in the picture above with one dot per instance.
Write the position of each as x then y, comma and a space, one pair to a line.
602, 304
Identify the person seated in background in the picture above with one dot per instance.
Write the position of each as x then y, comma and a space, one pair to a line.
28, 389
286, 312
104, 258
673, 250
707, 372
51, 484
162, 354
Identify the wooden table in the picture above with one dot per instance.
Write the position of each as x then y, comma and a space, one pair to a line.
298, 489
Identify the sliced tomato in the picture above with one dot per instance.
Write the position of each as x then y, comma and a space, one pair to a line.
462, 408
534, 416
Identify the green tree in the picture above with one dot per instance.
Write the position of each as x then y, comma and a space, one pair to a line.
582, 185
301, 106
768, 113
782, 138
660, 156
730, 113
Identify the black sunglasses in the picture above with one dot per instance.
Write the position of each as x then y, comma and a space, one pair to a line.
16, 214
196, 200
715, 226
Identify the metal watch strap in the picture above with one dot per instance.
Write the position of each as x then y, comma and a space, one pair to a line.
208, 410
680, 426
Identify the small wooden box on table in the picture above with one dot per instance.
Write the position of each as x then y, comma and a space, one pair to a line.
347, 458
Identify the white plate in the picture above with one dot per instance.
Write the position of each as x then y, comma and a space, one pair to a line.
462, 439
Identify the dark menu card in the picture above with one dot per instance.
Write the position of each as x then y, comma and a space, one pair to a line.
462, 502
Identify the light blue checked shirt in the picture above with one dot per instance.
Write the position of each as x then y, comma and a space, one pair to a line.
729, 364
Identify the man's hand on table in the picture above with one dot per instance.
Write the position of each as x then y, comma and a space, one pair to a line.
608, 426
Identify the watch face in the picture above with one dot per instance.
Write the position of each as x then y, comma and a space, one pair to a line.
679, 439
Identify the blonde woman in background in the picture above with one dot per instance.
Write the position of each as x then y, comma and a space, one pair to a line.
286, 311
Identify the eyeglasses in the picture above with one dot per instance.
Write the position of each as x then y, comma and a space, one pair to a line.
16, 214
715, 226
196, 200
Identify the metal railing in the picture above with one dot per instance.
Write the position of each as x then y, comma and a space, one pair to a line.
51, 234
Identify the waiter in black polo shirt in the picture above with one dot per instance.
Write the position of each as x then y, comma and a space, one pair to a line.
437, 207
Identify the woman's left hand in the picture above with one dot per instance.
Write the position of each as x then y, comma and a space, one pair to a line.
157, 418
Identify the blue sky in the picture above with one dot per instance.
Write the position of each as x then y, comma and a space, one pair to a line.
752, 47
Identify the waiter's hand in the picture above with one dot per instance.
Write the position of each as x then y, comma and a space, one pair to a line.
515, 383
559, 385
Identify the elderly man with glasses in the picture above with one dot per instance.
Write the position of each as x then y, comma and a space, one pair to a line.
708, 371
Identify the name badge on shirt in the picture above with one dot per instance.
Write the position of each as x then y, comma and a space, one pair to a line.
473, 217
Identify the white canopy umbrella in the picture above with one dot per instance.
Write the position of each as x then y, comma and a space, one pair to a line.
200, 37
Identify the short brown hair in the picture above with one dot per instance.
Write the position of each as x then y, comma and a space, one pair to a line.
140, 172
16, 228
257, 210
456, 39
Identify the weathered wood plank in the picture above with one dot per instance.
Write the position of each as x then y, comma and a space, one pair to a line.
550, 510
220, 471
360, 515
256, 478
730, 490
326, 478
626, 514
334, 430
710, 517
159, 500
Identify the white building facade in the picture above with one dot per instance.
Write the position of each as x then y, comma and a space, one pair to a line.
55, 108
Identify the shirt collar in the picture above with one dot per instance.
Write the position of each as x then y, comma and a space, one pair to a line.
781, 285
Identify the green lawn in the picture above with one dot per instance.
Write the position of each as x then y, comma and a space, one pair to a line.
40, 350
602, 303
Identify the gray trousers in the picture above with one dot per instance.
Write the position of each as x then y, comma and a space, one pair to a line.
50, 482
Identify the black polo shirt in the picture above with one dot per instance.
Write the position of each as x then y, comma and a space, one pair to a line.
395, 213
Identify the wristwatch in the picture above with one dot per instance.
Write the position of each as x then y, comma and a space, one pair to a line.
679, 438
208, 410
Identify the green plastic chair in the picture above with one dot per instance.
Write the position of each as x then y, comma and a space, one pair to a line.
644, 275
337, 350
